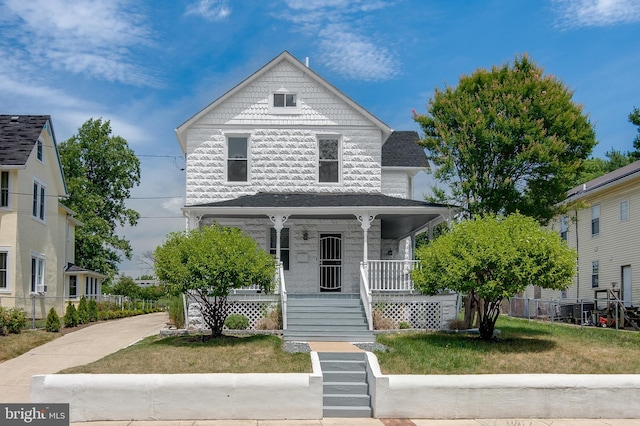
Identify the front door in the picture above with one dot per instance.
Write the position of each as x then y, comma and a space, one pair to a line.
331, 262
626, 285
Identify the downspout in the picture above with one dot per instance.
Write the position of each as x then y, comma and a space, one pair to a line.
577, 258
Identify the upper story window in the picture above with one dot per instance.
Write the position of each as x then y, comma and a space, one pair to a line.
329, 160
4, 189
595, 273
39, 150
37, 274
4, 268
73, 286
38, 200
624, 210
595, 220
237, 159
564, 227
285, 100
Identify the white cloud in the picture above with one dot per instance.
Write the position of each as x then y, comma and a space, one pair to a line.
341, 29
93, 37
596, 13
211, 10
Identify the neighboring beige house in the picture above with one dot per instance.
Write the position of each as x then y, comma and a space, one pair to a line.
604, 227
36, 230
317, 180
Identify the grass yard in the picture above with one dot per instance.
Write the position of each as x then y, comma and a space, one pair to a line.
14, 345
524, 347
190, 354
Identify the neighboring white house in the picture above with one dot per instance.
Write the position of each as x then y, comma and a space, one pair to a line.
603, 225
311, 176
36, 231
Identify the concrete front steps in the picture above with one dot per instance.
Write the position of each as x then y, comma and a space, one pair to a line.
335, 317
345, 387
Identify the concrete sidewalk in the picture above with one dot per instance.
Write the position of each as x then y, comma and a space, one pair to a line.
375, 422
78, 348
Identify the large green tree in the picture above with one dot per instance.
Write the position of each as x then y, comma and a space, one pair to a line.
505, 140
634, 118
210, 262
100, 170
493, 258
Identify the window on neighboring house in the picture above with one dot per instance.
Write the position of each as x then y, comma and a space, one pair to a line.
73, 287
329, 160
4, 189
37, 274
38, 200
39, 150
564, 227
4, 271
284, 246
91, 287
237, 159
285, 100
595, 219
624, 210
595, 272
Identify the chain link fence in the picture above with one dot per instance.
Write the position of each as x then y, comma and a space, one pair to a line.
576, 311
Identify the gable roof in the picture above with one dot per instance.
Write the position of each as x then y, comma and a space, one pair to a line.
402, 150
284, 56
615, 177
18, 136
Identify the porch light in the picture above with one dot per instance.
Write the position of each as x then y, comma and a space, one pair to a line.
390, 252
305, 235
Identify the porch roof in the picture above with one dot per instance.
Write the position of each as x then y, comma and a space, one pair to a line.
399, 216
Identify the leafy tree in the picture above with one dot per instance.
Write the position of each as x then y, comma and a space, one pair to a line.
596, 167
634, 118
100, 171
210, 262
493, 258
506, 140
153, 292
125, 287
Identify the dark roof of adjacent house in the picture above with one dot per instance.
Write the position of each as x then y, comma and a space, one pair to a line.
312, 199
18, 135
402, 150
604, 180
70, 268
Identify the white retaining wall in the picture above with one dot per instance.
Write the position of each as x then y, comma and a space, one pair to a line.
547, 396
94, 397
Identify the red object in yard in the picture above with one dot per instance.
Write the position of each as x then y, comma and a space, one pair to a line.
603, 321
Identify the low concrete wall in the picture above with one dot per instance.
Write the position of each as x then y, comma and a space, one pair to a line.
547, 396
95, 397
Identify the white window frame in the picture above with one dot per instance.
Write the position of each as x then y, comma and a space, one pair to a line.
227, 159
5, 191
595, 220
273, 242
564, 227
37, 276
595, 274
284, 91
40, 150
624, 210
39, 197
73, 296
337, 138
6, 286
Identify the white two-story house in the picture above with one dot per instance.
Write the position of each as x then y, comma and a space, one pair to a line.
36, 231
313, 177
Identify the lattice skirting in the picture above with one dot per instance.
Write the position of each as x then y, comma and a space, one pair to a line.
254, 310
424, 314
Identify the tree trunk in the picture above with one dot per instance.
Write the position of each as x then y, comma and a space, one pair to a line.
214, 312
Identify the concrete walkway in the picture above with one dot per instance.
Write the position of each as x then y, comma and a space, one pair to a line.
78, 348
94, 342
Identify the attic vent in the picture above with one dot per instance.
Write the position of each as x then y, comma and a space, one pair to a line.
14, 118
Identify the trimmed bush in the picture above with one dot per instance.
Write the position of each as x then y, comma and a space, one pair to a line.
93, 310
71, 316
12, 320
53, 321
237, 322
83, 311
176, 312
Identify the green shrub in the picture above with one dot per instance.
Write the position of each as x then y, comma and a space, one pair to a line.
93, 310
12, 320
83, 311
71, 316
237, 322
53, 321
176, 312
403, 325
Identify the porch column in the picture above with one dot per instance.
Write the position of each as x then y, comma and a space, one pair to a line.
192, 221
278, 223
365, 220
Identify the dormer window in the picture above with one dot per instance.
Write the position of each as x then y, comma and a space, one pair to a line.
285, 100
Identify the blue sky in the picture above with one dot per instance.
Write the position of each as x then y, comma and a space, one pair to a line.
149, 65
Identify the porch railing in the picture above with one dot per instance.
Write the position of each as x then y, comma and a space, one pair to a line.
280, 286
391, 275
365, 293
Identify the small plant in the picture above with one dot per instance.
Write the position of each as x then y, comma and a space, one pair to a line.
71, 316
457, 325
381, 322
83, 311
12, 321
403, 325
272, 320
53, 321
93, 310
176, 312
237, 322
